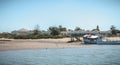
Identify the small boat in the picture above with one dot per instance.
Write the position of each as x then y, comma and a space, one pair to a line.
97, 39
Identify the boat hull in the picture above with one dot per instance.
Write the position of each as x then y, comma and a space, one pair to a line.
86, 42
109, 43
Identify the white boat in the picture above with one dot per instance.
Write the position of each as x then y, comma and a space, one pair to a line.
96, 39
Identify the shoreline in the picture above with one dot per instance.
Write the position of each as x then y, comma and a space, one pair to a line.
82, 46
26, 44
29, 44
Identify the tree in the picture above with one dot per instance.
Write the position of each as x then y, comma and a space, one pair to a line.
113, 27
54, 31
5, 35
113, 30
36, 31
62, 28
77, 29
97, 28
70, 30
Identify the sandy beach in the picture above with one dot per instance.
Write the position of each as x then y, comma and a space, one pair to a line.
22, 44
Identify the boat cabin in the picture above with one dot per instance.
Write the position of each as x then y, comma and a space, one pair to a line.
91, 39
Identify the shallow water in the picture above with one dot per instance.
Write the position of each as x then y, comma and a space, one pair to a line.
92, 55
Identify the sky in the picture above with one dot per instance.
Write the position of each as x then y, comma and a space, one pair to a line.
86, 14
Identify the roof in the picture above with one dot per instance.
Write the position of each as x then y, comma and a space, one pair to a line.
90, 36
23, 30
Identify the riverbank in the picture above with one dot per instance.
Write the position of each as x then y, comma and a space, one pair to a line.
23, 44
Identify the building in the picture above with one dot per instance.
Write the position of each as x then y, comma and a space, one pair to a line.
85, 32
22, 31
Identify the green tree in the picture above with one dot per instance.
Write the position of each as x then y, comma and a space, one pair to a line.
36, 31
62, 28
54, 31
70, 30
113, 30
77, 29
97, 28
5, 35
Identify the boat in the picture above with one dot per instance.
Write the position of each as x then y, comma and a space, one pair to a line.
97, 39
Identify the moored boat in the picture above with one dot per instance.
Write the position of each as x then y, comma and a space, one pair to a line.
97, 39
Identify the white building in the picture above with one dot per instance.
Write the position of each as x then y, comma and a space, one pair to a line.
85, 32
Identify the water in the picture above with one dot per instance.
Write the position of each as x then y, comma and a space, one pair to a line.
92, 55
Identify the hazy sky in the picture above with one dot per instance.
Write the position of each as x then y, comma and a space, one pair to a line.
87, 14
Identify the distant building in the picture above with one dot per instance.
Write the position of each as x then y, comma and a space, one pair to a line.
22, 31
85, 32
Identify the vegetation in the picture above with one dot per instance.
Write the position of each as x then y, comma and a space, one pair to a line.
6, 35
78, 29
62, 28
113, 30
36, 31
97, 29
54, 32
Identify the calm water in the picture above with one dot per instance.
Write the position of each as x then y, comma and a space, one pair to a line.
93, 55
